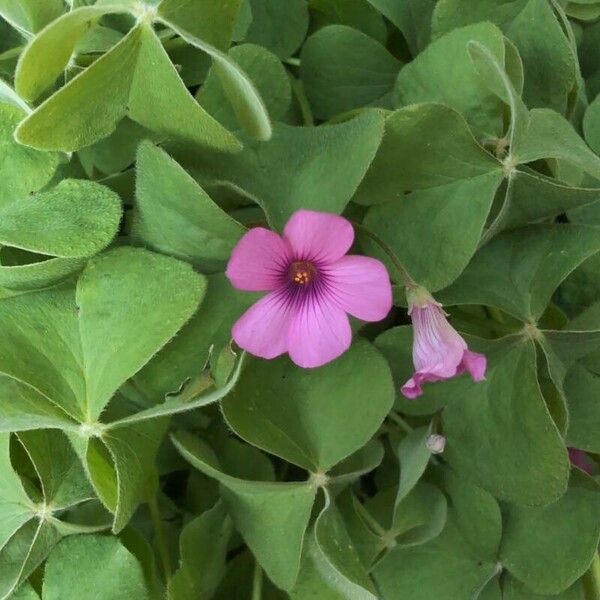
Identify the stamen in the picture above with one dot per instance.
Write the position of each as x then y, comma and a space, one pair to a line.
302, 272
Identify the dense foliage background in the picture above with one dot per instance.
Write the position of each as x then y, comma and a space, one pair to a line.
142, 455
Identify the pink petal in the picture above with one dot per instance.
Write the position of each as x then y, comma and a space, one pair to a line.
263, 329
413, 387
475, 364
258, 261
361, 286
438, 349
318, 236
319, 333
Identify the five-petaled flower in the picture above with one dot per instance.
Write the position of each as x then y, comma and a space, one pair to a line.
439, 352
312, 285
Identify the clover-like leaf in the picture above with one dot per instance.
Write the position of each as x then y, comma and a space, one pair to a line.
267, 514
355, 392
175, 216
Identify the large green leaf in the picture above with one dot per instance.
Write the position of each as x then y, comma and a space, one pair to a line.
23, 171
299, 167
73, 220
532, 468
268, 515
532, 535
47, 56
175, 216
71, 360
120, 577
238, 88
281, 28
344, 69
444, 567
550, 66
268, 76
518, 271
411, 17
210, 20
144, 86
203, 553
29, 16
444, 73
294, 416
424, 146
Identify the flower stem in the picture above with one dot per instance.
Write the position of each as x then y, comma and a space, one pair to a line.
160, 539
394, 416
257, 582
404, 275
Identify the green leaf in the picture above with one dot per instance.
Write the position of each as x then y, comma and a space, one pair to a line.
24, 553
73, 220
175, 216
444, 73
355, 392
160, 101
411, 17
550, 135
70, 119
477, 514
184, 358
513, 589
444, 567
359, 15
280, 28
62, 478
414, 456
266, 73
344, 69
138, 72
339, 554
120, 577
581, 389
210, 20
550, 67
533, 467
300, 167
15, 505
591, 125
457, 212
18, 273
435, 147
239, 89
268, 515
571, 523
203, 552
23, 171
47, 56
518, 271
23, 408
29, 16
51, 359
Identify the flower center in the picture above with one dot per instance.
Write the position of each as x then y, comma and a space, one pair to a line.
302, 272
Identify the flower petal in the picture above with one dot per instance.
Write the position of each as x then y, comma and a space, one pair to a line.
263, 329
475, 364
321, 237
438, 348
258, 261
319, 333
361, 286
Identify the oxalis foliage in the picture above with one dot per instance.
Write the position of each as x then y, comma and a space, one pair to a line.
143, 454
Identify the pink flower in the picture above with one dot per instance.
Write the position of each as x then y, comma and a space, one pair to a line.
580, 459
311, 285
439, 352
